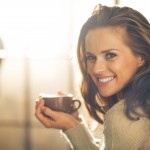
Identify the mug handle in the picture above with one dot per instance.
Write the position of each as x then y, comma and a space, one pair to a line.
73, 105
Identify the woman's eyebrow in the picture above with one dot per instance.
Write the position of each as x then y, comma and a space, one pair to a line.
103, 51
108, 50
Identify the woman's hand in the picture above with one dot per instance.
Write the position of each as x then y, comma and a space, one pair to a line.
54, 119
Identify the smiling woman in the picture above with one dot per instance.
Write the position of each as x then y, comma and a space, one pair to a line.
114, 57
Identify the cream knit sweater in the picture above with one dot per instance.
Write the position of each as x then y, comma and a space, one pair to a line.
120, 132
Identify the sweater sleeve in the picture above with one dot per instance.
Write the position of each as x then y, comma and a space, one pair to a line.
81, 138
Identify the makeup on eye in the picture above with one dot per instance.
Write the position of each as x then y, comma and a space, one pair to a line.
107, 54
110, 55
90, 57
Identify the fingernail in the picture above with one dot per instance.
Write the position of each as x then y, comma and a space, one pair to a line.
37, 100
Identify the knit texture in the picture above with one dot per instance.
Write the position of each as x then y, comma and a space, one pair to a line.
81, 138
120, 133
124, 134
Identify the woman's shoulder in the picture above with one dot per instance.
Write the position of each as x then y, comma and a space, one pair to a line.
118, 107
116, 118
118, 110
121, 130
117, 113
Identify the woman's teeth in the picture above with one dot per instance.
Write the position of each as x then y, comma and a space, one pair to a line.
103, 80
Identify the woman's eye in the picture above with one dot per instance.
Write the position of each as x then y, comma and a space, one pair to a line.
110, 55
90, 58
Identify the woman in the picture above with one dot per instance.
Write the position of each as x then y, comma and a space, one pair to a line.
114, 57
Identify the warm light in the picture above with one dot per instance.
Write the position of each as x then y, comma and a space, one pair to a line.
3, 54
36, 26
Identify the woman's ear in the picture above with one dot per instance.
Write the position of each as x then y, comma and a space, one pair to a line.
141, 61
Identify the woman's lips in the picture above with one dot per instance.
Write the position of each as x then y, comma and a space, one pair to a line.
104, 80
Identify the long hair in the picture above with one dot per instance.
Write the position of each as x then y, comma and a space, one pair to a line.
137, 92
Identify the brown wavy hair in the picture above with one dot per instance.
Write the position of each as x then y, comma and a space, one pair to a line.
137, 92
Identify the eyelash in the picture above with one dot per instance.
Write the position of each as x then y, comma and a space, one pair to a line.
110, 55
90, 58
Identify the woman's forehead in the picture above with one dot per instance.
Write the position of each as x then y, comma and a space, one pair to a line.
108, 37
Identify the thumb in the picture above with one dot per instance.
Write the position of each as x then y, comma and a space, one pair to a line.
61, 93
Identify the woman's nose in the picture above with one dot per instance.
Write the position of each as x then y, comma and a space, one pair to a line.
99, 66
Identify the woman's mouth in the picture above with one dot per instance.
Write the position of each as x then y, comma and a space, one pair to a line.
104, 80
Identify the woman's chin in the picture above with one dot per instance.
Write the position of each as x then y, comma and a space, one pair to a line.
106, 93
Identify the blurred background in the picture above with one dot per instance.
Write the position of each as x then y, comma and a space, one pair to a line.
37, 55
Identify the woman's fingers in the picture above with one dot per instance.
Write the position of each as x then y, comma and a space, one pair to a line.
53, 119
49, 113
45, 115
39, 105
61, 93
38, 112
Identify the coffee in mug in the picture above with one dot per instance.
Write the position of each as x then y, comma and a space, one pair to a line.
64, 103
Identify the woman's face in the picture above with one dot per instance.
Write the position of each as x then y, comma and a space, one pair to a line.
111, 63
